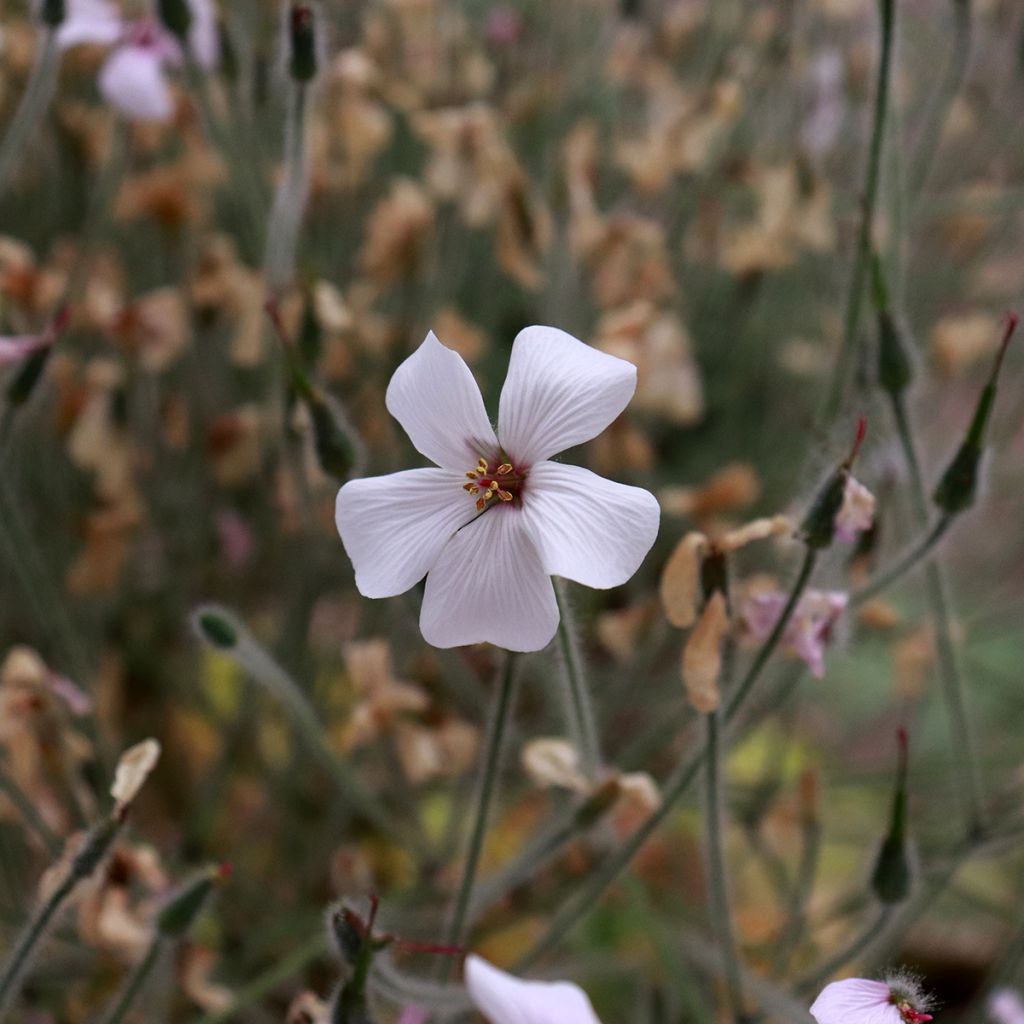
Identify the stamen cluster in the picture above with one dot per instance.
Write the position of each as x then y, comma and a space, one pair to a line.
502, 483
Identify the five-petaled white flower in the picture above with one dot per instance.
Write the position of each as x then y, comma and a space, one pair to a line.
860, 1001
132, 79
496, 518
504, 999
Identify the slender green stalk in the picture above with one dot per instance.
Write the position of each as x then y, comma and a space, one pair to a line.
966, 769
53, 843
941, 103
290, 200
912, 558
599, 881
862, 257
488, 785
36, 98
861, 943
582, 720
718, 886
133, 986
796, 918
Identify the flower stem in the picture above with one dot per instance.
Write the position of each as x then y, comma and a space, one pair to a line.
133, 986
905, 564
582, 720
488, 784
862, 257
719, 906
597, 883
860, 944
32, 817
34, 101
968, 781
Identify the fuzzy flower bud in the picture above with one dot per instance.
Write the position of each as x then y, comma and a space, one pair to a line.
819, 526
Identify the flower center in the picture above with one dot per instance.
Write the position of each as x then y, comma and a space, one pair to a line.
909, 1014
489, 483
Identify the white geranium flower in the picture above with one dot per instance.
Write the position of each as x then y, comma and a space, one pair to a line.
496, 518
504, 999
133, 79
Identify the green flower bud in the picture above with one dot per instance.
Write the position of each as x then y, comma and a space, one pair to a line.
176, 16
892, 877
332, 437
216, 628
302, 63
819, 525
52, 13
183, 907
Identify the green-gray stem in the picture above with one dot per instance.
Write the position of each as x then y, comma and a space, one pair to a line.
718, 887
861, 943
584, 900
862, 257
488, 785
133, 986
582, 723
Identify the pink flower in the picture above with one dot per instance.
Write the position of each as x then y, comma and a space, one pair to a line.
857, 512
859, 1001
495, 519
505, 999
14, 349
133, 79
1005, 1006
810, 628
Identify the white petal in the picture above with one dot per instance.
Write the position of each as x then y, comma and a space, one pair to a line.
504, 999
559, 392
489, 585
437, 401
132, 81
90, 21
394, 527
855, 1001
586, 528
203, 38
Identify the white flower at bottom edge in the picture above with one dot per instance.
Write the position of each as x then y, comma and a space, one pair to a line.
496, 519
132, 79
504, 999
859, 1001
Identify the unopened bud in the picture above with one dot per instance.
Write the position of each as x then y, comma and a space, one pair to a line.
52, 13
215, 627
176, 16
302, 27
183, 907
895, 368
893, 875
819, 526
332, 437
598, 804
959, 484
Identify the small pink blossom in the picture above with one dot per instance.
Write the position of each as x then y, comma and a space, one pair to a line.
1005, 1006
504, 25
413, 1015
133, 79
809, 630
859, 1001
505, 999
857, 512
15, 349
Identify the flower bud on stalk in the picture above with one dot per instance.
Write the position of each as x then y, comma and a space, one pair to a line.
29, 373
180, 911
302, 63
893, 874
176, 16
819, 526
52, 13
959, 484
895, 367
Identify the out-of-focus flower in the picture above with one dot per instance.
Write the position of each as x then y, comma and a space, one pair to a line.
810, 628
497, 518
505, 999
396, 231
195, 965
133, 768
735, 485
15, 349
859, 1001
308, 1008
133, 79
1005, 1006
962, 340
857, 513
820, 130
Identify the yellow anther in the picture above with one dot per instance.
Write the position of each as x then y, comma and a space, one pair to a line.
481, 466
505, 467
504, 495
472, 488
489, 493
481, 504
471, 474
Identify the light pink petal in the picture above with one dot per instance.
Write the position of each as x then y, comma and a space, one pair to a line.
394, 527
489, 585
855, 1001
505, 999
132, 81
14, 349
203, 37
437, 401
559, 392
586, 528
413, 1015
90, 21
1005, 1006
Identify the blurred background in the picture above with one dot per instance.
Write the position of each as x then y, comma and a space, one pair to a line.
677, 182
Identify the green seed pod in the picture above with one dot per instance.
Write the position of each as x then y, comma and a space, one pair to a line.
893, 876
176, 16
819, 525
895, 369
302, 24
217, 629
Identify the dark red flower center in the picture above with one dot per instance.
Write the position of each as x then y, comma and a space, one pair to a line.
494, 482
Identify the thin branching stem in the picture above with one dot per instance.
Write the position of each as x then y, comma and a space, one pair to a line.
858, 946
582, 720
125, 999
912, 558
862, 257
